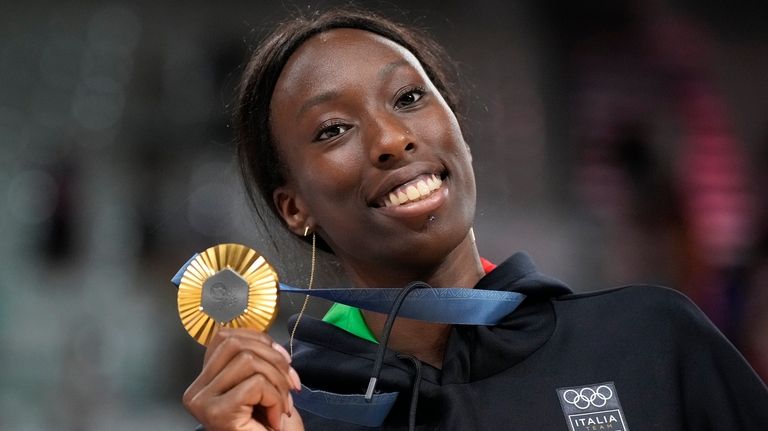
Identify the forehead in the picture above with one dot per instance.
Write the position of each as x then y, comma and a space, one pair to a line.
340, 57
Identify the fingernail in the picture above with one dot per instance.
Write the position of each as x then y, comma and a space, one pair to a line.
282, 351
282, 423
290, 405
295, 378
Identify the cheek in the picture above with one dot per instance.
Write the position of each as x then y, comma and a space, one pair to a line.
448, 133
442, 125
445, 131
333, 177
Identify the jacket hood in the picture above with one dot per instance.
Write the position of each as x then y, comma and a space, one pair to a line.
334, 360
519, 274
517, 336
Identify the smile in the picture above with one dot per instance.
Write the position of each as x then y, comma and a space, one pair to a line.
415, 190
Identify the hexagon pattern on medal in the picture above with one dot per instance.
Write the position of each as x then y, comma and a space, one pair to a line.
227, 285
225, 295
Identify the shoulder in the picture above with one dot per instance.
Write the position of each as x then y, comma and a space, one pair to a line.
653, 309
641, 297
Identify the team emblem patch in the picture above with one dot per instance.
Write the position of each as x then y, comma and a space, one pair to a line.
592, 408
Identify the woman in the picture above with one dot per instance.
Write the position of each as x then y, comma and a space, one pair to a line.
347, 128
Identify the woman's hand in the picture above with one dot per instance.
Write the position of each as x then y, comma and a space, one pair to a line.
245, 385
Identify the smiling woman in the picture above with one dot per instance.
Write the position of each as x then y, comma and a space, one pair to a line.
348, 129
354, 131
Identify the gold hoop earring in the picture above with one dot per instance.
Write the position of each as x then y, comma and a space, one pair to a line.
309, 287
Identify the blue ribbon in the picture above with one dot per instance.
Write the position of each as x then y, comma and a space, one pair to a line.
458, 306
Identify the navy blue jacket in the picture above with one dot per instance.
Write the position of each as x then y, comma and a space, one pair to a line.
634, 358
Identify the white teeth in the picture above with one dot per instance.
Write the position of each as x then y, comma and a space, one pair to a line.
431, 183
423, 188
413, 192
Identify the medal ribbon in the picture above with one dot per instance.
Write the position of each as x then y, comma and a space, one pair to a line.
458, 306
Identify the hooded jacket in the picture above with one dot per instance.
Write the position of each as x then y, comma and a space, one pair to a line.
633, 358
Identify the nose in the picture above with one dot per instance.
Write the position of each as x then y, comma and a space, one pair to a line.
391, 142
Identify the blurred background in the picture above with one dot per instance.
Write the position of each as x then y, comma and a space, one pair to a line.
616, 142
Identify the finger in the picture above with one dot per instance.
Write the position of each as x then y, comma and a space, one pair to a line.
221, 415
243, 338
245, 365
226, 351
223, 334
248, 359
256, 391
231, 346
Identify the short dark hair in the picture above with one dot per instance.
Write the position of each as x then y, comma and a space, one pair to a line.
260, 163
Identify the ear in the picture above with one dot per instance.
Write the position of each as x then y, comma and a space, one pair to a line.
292, 209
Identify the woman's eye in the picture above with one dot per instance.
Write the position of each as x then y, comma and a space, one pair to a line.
409, 98
331, 131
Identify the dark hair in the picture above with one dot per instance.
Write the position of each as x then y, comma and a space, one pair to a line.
260, 163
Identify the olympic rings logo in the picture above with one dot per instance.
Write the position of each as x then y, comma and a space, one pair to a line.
587, 397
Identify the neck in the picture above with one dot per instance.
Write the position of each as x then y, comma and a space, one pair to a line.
459, 267
426, 341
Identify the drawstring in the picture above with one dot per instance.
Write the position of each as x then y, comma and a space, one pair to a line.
385, 336
414, 392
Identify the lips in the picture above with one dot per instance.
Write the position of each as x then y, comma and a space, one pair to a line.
402, 188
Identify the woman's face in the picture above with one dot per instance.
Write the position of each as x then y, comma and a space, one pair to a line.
376, 161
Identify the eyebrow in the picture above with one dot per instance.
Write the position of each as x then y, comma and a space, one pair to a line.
313, 101
316, 100
389, 68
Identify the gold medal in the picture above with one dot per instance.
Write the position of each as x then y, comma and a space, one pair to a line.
227, 285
